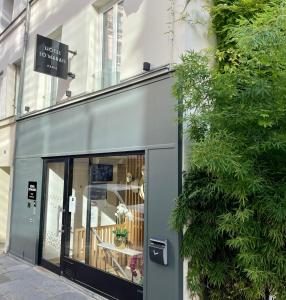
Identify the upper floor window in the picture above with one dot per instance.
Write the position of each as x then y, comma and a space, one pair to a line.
112, 21
50, 87
9, 84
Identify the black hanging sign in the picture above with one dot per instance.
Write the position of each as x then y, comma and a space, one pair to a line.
32, 190
51, 57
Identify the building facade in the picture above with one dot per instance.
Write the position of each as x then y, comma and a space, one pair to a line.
11, 46
99, 154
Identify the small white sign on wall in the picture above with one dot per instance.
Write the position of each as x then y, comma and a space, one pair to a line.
93, 216
84, 212
72, 204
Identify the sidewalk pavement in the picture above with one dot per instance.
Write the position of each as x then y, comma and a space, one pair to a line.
21, 281
2, 246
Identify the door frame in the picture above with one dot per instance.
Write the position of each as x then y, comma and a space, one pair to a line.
102, 283
41, 261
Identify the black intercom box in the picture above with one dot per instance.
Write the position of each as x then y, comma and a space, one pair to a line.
158, 251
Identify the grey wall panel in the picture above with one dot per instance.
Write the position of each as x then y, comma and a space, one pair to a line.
134, 118
25, 221
163, 282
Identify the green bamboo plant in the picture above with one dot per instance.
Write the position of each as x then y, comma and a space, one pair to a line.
233, 205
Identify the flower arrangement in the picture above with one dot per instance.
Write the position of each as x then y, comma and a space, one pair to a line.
122, 212
121, 234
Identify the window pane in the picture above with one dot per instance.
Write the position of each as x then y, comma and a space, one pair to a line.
79, 209
54, 212
117, 215
119, 39
107, 218
107, 59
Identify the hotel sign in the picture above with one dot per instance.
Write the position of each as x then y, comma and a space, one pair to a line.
51, 57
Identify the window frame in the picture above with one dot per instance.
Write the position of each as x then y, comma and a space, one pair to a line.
104, 9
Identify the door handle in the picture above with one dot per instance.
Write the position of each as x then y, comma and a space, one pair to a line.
59, 219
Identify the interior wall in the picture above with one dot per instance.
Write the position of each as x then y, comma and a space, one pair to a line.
4, 200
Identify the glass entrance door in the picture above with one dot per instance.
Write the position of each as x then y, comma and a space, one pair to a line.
53, 214
93, 222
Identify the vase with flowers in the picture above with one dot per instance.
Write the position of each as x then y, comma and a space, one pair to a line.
120, 237
121, 233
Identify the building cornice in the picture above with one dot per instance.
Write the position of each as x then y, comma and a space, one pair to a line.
7, 121
158, 73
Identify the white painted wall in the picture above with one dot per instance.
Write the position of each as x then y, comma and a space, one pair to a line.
4, 197
11, 47
7, 137
6, 12
148, 35
8, 92
19, 5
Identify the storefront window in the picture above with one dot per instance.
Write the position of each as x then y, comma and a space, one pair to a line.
107, 222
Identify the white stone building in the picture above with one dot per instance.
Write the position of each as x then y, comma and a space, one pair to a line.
102, 136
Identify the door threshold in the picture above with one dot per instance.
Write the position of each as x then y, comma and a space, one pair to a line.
71, 283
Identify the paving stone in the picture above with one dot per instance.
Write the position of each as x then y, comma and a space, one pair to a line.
20, 281
4, 279
70, 295
18, 268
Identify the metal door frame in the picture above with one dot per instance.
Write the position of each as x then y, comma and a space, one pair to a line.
41, 261
94, 279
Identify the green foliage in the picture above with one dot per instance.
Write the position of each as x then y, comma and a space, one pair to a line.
227, 14
233, 206
121, 232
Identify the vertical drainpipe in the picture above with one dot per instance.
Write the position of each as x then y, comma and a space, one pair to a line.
24, 55
180, 138
18, 113
172, 33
